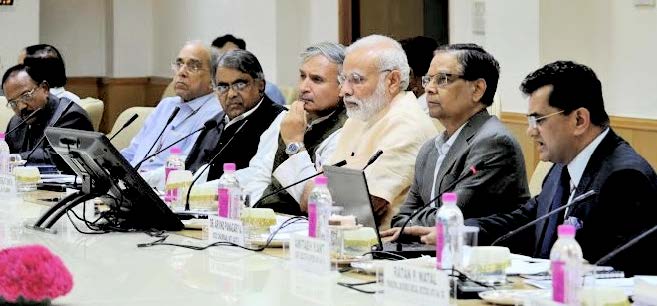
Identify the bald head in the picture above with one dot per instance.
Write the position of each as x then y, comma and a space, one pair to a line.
192, 71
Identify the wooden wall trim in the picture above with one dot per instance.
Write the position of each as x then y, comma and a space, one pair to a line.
516, 118
126, 81
344, 22
634, 123
157, 80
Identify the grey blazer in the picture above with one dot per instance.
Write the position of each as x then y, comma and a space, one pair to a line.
499, 185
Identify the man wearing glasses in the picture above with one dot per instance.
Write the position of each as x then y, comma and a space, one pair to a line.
460, 84
247, 113
570, 126
382, 116
28, 93
194, 97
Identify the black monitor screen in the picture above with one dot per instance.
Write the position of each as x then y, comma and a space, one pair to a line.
133, 204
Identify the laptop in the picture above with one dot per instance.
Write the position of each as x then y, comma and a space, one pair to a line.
349, 189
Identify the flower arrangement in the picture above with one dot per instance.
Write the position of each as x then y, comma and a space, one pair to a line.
32, 275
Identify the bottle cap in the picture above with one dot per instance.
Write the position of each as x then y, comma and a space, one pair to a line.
566, 230
449, 197
321, 180
229, 167
175, 150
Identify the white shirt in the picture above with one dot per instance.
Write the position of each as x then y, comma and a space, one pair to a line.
443, 147
422, 102
577, 166
61, 92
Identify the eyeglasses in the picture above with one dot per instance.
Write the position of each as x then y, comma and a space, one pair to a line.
441, 79
534, 121
237, 86
355, 78
23, 98
191, 66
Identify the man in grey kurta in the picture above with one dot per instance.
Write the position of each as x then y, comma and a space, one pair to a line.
476, 157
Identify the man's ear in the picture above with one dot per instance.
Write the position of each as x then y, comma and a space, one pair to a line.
478, 90
394, 80
261, 85
582, 120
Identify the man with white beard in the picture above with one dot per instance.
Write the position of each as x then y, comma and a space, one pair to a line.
382, 116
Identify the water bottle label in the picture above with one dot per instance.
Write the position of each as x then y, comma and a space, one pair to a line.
558, 281
440, 244
171, 195
224, 202
312, 219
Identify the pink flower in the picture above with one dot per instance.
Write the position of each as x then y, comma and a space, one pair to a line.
33, 273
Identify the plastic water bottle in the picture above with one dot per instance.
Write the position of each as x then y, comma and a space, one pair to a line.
229, 193
566, 260
319, 210
449, 236
4, 155
175, 161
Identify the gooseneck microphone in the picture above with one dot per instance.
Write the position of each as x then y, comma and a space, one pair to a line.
257, 203
125, 125
576, 201
30, 116
171, 117
341, 163
206, 126
36, 146
473, 170
625, 246
373, 159
207, 166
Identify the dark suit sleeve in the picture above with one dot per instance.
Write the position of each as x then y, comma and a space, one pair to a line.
492, 227
77, 119
501, 184
626, 208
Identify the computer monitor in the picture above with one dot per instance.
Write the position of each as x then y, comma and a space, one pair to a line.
133, 204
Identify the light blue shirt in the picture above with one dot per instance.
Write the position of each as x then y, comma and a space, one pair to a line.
192, 116
274, 93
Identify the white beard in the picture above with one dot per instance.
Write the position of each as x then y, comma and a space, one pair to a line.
367, 107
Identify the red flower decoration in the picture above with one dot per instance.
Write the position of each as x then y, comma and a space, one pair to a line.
32, 273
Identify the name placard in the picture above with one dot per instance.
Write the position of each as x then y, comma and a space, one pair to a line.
7, 185
415, 285
224, 229
310, 254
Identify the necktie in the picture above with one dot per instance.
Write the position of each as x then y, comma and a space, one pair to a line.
561, 195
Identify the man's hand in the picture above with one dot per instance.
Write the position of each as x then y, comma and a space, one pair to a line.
293, 126
427, 234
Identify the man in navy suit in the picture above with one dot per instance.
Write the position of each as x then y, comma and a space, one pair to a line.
568, 122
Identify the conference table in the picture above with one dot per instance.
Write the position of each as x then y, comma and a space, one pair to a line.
110, 269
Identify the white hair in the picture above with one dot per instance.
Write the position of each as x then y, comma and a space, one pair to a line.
390, 55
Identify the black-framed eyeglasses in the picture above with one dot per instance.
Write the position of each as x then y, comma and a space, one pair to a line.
22, 98
534, 121
355, 78
440, 79
237, 86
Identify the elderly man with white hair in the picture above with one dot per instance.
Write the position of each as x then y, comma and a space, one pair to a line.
382, 116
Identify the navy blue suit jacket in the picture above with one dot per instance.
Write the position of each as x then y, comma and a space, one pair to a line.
623, 208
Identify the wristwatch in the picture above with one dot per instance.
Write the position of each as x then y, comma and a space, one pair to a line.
294, 148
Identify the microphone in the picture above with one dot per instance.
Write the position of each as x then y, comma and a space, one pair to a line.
68, 106
625, 246
173, 115
30, 116
129, 122
207, 166
575, 201
338, 164
206, 126
373, 159
473, 170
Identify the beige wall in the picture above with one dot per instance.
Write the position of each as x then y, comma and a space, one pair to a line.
616, 38
20, 28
